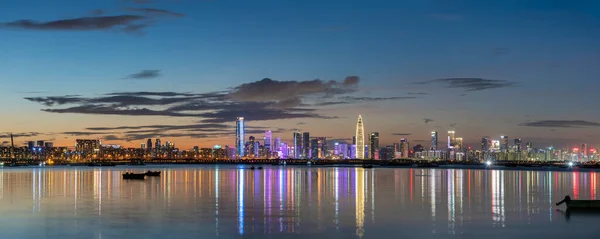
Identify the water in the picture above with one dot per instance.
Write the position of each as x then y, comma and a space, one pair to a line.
292, 202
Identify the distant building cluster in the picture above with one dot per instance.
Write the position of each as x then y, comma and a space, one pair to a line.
303, 145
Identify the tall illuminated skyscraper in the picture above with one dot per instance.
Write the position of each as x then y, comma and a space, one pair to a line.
268, 140
360, 139
239, 136
374, 145
297, 142
305, 145
451, 139
503, 143
434, 140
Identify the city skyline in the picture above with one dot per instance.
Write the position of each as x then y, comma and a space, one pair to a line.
522, 70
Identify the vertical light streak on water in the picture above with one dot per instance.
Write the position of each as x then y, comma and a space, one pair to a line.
241, 201
1, 183
264, 187
549, 182
33, 187
592, 186
336, 196
100, 194
360, 201
372, 195
76, 191
527, 191
432, 192
217, 201
460, 193
575, 185
280, 200
451, 203
495, 211
502, 211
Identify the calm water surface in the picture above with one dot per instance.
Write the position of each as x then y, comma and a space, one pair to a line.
292, 202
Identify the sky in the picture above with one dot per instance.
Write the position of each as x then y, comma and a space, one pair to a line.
183, 70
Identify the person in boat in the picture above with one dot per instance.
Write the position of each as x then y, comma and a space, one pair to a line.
567, 199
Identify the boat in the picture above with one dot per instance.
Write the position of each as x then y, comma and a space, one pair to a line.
252, 168
134, 175
367, 166
260, 167
153, 173
580, 204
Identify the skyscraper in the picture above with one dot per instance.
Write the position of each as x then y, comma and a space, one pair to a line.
268, 141
485, 144
459, 144
305, 145
503, 143
251, 147
518, 146
239, 136
451, 139
297, 142
314, 148
277, 146
149, 144
404, 147
321, 147
374, 145
360, 139
434, 140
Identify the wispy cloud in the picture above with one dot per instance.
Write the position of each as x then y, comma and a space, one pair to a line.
144, 74
77, 24
470, 84
561, 124
156, 12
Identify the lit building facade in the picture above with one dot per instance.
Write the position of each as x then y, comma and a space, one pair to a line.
239, 137
434, 140
374, 143
360, 139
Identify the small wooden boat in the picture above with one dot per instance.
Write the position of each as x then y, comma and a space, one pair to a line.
153, 173
367, 166
134, 175
580, 204
253, 168
260, 167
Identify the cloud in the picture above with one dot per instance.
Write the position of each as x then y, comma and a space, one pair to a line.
561, 123
81, 133
139, 1
18, 135
144, 74
445, 17
267, 90
352, 98
401, 134
470, 84
111, 138
115, 110
416, 93
426, 120
77, 24
56, 100
154, 11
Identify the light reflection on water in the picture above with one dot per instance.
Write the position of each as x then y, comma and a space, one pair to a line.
218, 201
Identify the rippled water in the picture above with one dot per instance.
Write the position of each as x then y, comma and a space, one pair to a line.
292, 202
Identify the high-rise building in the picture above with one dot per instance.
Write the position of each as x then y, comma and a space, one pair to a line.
297, 142
305, 145
158, 145
360, 139
459, 144
354, 139
321, 147
374, 145
584, 150
485, 144
251, 147
268, 140
48, 145
434, 140
404, 147
451, 139
314, 148
277, 146
239, 136
40, 143
31, 145
149, 144
503, 143
518, 146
